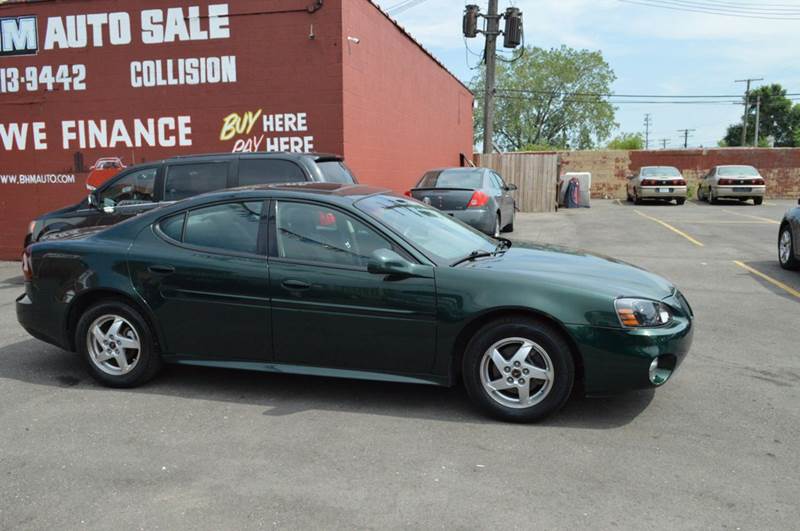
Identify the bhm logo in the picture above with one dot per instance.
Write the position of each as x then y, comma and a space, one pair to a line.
18, 36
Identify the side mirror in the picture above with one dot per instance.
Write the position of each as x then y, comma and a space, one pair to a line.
92, 200
388, 262
511, 187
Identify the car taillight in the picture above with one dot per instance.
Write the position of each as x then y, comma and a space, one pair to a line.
680, 182
725, 182
27, 266
407, 193
649, 182
478, 199
759, 182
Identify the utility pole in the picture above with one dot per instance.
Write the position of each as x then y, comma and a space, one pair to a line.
746, 103
686, 136
758, 118
664, 142
512, 37
490, 55
647, 123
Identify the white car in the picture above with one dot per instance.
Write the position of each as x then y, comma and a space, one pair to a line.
732, 182
665, 183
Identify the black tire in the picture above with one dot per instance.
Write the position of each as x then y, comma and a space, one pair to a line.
149, 359
680, 201
549, 338
712, 200
758, 200
791, 263
636, 199
510, 226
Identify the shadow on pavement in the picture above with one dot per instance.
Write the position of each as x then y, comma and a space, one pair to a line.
773, 269
34, 362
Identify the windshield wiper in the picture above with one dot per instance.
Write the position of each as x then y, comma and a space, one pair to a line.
473, 255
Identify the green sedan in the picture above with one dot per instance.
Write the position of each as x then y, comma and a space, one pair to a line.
355, 282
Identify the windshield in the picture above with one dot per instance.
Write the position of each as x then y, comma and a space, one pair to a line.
437, 235
661, 171
452, 179
737, 170
336, 172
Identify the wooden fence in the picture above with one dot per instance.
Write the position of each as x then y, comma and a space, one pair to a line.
535, 175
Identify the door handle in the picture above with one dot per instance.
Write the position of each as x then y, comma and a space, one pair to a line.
295, 285
161, 269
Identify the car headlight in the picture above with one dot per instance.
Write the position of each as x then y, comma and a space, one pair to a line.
642, 313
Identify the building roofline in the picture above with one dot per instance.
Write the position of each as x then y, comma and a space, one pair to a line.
418, 44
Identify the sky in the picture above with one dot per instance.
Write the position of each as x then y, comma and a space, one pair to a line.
651, 50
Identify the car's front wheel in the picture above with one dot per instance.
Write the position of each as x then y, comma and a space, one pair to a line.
518, 369
786, 254
117, 344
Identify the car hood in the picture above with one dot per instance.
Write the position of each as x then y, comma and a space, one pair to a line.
581, 269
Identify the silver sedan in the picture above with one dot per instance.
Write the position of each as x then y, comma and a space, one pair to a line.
789, 239
665, 183
732, 182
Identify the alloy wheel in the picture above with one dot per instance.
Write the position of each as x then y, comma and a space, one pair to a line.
113, 344
785, 246
517, 372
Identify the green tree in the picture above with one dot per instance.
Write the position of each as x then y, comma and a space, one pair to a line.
778, 118
549, 98
627, 141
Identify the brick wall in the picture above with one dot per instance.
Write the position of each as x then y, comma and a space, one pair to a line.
780, 167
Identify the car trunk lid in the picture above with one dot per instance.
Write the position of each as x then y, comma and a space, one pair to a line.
444, 198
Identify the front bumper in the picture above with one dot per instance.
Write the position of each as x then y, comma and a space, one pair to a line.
617, 359
479, 218
662, 192
739, 191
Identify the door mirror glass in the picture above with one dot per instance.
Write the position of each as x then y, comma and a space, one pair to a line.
511, 187
388, 262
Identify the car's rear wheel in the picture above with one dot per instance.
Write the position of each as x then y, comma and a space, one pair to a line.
680, 201
786, 254
510, 226
518, 369
712, 198
636, 199
758, 200
117, 345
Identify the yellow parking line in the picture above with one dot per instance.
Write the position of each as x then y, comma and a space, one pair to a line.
778, 283
670, 227
752, 217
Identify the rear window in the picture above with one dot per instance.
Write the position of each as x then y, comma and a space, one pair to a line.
749, 171
660, 171
336, 172
186, 180
452, 179
268, 171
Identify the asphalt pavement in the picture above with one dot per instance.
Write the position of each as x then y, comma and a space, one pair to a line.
716, 447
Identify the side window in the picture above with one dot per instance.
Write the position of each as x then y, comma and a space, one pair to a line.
228, 227
268, 171
315, 233
136, 187
186, 180
498, 181
173, 226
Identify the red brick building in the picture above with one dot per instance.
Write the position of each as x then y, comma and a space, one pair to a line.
82, 80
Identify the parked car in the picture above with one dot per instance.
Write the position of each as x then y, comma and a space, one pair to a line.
665, 183
145, 186
789, 239
732, 182
356, 282
102, 170
476, 196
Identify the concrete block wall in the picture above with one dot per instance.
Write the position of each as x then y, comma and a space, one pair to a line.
780, 167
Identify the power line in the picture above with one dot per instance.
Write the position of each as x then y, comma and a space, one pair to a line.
405, 5
743, 8
615, 95
710, 11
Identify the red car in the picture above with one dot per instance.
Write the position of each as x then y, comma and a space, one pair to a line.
104, 169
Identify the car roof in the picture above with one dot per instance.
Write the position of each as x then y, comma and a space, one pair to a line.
316, 157
459, 168
343, 193
734, 166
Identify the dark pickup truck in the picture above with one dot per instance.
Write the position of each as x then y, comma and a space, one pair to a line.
146, 186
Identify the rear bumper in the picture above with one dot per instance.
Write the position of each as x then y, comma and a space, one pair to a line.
480, 218
739, 191
616, 359
655, 192
41, 322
